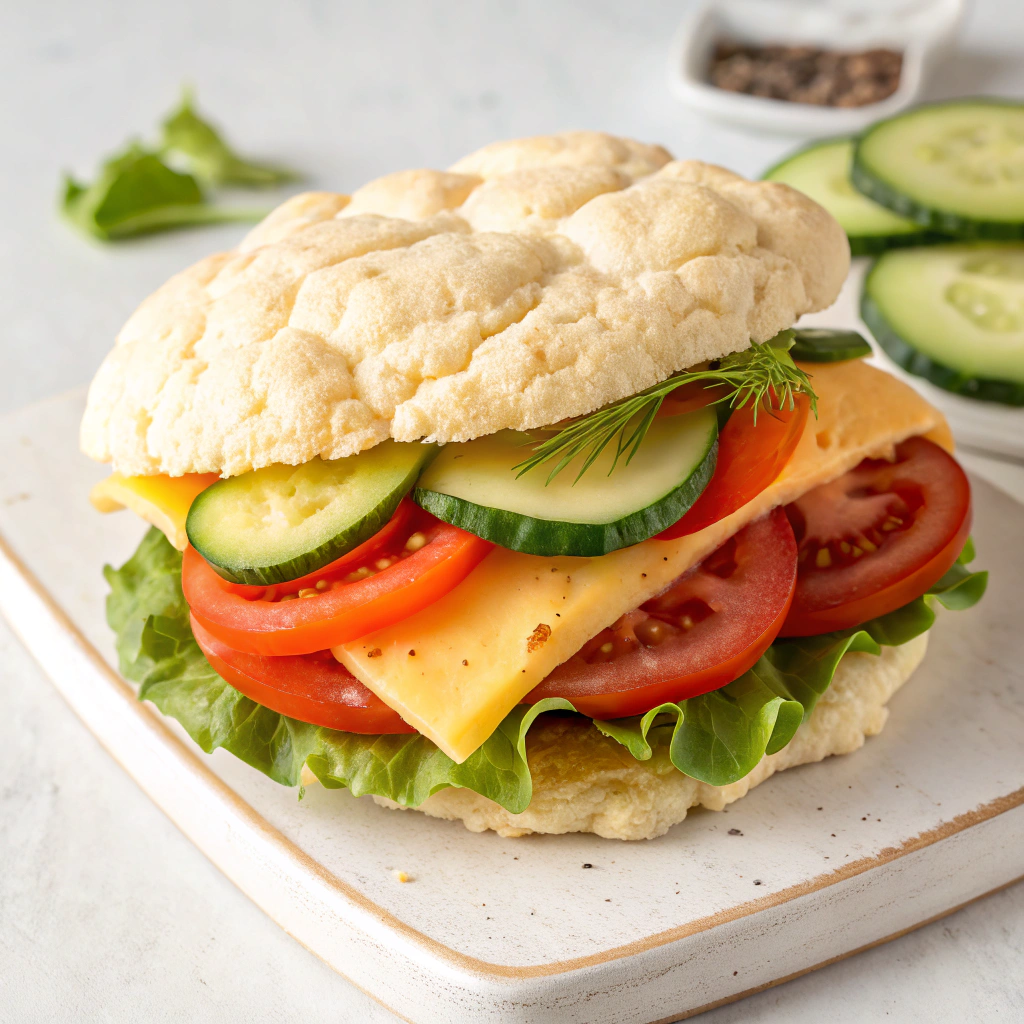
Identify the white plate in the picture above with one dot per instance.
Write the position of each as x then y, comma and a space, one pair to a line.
922, 29
926, 817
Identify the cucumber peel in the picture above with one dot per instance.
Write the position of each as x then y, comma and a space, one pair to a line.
822, 171
953, 315
824, 345
956, 167
279, 523
473, 486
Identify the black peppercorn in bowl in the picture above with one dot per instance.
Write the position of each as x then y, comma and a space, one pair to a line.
809, 68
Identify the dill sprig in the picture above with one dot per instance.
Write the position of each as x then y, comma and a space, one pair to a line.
763, 374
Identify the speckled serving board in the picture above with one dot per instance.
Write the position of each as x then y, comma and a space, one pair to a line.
848, 853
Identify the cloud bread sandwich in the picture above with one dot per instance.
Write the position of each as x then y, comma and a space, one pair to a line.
511, 494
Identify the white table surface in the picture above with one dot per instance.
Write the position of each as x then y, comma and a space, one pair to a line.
107, 913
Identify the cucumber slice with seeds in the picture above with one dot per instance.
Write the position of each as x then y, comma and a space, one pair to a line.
282, 522
473, 486
953, 314
822, 171
956, 168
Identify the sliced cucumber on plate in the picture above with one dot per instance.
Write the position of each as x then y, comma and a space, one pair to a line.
953, 314
473, 485
956, 168
282, 522
822, 171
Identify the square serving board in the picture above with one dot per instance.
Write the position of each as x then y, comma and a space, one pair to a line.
831, 858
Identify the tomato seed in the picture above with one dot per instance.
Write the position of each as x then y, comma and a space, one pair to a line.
651, 632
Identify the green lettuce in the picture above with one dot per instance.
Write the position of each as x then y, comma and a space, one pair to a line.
136, 193
717, 738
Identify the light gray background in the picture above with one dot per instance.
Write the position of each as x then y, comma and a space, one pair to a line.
106, 912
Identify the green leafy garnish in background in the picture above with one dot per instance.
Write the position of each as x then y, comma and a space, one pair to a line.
718, 737
763, 374
210, 158
138, 192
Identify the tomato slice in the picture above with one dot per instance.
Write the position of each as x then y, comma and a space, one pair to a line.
379, 583
313, 688
704, 632
876, 538
692, 396
750, 456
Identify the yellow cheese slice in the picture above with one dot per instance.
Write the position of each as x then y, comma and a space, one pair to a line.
161, 500
454, 670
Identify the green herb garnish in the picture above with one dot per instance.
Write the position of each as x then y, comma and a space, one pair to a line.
210, 158
136, 193
763, 374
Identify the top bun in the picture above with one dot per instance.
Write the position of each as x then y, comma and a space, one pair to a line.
537, 279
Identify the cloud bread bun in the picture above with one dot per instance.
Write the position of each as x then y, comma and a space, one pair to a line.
585, 782
538, 279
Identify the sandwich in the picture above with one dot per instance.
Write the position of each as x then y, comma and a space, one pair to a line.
515, 494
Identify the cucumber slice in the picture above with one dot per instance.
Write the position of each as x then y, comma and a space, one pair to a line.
953, 314
956, 168
824, 345
277, 524
822, 171
473, 486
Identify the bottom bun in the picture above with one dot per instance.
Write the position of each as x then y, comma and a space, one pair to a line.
585, 782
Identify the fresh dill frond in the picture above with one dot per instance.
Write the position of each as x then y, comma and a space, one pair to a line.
763, 374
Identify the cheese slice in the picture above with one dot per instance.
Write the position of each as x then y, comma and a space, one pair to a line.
454, 670
163, 501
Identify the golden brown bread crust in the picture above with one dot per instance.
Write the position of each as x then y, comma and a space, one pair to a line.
538, 279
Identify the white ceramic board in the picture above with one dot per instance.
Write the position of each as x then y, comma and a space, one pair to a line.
988, 426
832, 857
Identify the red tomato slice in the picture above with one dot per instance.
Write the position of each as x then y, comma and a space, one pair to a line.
313, 688
750, 456
418, 561
704, 632
876, 538
690, 397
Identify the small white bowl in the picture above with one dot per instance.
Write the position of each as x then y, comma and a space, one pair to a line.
922, 29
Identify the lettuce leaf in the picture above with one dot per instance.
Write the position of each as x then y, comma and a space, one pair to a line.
718, 737
135, 193
138, 191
